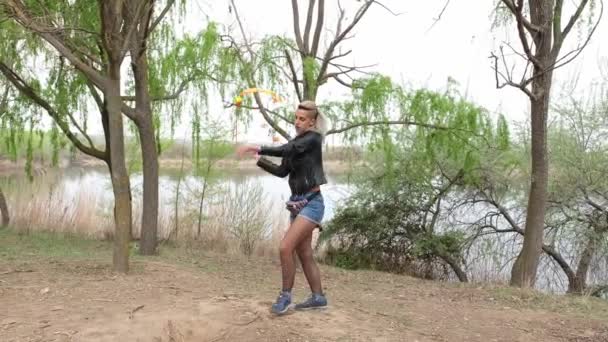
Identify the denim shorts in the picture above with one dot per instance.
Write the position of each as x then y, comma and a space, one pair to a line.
313, 211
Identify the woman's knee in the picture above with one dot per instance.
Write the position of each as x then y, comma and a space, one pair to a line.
305, 253
285, 249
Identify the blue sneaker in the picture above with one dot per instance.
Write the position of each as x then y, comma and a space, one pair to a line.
282, 304
315, 301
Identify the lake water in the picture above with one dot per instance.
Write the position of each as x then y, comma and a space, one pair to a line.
81, 200
89, 189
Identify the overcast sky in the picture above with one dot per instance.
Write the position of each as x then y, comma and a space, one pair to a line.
407, 48
412, 52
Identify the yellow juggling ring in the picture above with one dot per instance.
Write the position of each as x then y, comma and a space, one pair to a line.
238, 100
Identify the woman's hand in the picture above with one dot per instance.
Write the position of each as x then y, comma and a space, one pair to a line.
244, 149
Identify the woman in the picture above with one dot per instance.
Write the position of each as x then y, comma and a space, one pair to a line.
301, 159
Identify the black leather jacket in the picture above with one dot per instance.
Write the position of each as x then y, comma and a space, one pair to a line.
302, 160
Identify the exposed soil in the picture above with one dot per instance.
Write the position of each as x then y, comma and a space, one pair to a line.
226, 298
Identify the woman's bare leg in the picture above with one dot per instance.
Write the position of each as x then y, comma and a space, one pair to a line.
311, 271
300, 230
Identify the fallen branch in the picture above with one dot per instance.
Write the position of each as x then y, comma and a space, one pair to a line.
132, 312
249, 322
16, 271
103, 300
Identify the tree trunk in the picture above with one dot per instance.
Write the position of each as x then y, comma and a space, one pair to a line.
145, 125
559, 259
525, 267
460, 273
200, 208
120, 178
578, 285
149, 220
526, 264
4, 210
309, 88
112, 24
176, 219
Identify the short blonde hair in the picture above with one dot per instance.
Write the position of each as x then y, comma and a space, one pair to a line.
321, 122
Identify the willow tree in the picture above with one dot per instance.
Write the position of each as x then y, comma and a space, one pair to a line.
542, 34
5, 122
112, 29
399, 217
150, 81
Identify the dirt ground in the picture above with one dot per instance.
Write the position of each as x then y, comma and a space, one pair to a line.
224, 298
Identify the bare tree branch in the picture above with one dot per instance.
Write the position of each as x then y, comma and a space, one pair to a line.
182, 87
523, 56
580, 48
523, 37
162, 14
562, 35
296, 24
557, 19
341, 55
317, 35
496, 230
549, 250
278, 115
63, 29
342, 82
308, 25
514, 9
130, 112
294, 79
385, 122
132, 26
95, 94
558, 62
388, 9
436, 20
508, 81
4, 100
340, 36
334, 74
505, 213
356, 67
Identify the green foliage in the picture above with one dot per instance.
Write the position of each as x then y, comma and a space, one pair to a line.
55, 145
30, 152
63, 88
449, 243
180, 66
211, 146
392, 222
375, 93
388, 223
267, 72
311, 71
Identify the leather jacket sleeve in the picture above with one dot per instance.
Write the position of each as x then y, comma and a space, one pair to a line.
297, 145
272, 168
301, 160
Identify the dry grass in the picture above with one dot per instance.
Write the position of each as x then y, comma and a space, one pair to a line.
241, 220
43, 206
237, 220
